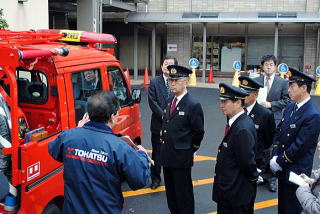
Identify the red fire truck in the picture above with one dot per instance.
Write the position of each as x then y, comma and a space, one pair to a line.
44, 86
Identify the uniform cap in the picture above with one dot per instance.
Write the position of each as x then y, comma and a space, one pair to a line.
177, 71
298, 76
249, 84
230, 92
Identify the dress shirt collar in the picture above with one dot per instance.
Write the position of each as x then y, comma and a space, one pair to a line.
302, 103
249, 108
231, 120
271, 79
180, 97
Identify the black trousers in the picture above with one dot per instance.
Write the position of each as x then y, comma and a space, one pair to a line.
287, 200
233, 210
156, 148
179, 190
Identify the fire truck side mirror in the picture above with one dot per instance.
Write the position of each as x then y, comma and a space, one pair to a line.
136, 95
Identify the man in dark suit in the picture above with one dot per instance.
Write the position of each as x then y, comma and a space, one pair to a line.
181, 135
91, 81
262, 118
158, 95
234, 187
295, 140
277, 100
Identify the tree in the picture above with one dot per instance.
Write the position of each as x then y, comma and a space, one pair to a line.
3, 22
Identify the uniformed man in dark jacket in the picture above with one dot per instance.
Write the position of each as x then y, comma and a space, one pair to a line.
234, 187
295, 140
181, 135
262, 118
158, 95
96, 161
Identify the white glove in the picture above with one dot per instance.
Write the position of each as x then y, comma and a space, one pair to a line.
274, 166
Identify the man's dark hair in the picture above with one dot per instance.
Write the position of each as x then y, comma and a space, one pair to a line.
102, 105
235, 100
268, 58
170, 57
303, 83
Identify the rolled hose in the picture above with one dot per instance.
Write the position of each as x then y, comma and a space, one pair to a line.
5, 160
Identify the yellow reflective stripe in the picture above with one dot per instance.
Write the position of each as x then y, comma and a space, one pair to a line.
287, 157
71, 35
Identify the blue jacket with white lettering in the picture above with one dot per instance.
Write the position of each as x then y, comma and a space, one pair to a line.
96, 161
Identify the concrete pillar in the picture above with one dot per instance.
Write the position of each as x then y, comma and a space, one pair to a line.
135, 51
204, 52
276, 38
246, 47
153, 54
88, 15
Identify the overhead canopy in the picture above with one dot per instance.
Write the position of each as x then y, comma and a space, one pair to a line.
224, 17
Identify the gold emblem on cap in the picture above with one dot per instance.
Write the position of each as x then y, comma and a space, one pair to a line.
222, 90
289, 74
173, 71
245, 82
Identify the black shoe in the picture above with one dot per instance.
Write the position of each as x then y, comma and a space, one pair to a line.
154, 185
272, 186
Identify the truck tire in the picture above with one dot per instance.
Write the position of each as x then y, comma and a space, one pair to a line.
52, 209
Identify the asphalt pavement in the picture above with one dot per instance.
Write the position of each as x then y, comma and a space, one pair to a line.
147, 201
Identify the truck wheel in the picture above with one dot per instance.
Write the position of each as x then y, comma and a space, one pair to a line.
52, 209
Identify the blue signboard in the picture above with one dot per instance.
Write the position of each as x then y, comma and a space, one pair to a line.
283, 68
318, 70
193, 63
236, 65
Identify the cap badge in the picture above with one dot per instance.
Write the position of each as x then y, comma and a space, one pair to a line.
289, 74
222, 90
173, 71
245, 82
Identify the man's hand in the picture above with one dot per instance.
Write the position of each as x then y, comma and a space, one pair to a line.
84, 120
266, 104
308, 181
274, 166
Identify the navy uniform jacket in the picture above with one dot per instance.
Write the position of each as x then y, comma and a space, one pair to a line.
296, 139
265, 126
95, 163
157, 97
182, 133
236, 171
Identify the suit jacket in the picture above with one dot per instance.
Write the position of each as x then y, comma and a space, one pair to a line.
265, 126
278, 96
236, 170
296, 139
157, 98
182, 133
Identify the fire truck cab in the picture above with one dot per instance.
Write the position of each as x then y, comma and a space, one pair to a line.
44, 87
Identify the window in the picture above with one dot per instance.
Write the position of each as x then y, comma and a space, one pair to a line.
118, 85
32, 87
84, 84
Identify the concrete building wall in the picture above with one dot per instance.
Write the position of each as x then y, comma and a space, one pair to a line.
310, 46
32, 14
233, 6
144, 58
180, 34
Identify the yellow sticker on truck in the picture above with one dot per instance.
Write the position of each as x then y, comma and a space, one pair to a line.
71, 35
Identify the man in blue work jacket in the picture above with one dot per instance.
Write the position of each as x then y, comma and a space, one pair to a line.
96, 161
295, 140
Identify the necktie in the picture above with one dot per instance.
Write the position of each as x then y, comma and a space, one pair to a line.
173, 105
227, 129
168, 88
295, 108
245, 110
267, 84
